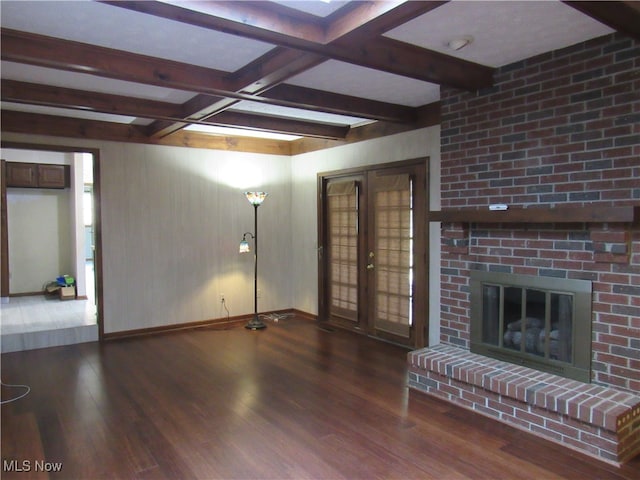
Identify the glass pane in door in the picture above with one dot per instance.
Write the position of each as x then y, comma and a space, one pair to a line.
342, 245
391, 259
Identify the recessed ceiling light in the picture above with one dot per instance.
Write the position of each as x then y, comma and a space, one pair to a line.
459, 43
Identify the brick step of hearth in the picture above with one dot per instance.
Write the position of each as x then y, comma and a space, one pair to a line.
598, 420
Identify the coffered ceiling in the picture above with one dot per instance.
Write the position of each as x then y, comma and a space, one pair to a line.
321, 72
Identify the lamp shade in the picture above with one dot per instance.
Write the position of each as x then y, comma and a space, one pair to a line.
256, 198
244, 247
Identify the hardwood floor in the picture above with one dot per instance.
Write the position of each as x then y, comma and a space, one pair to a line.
292, 401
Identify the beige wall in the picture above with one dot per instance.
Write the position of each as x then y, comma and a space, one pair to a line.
172, 222
172, 219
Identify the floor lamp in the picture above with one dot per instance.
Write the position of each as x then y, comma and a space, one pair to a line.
255, 199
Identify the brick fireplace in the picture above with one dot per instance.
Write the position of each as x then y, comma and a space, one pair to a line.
557, 139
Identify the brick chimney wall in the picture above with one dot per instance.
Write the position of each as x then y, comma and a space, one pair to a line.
562, 128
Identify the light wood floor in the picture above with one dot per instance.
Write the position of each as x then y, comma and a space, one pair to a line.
291, 401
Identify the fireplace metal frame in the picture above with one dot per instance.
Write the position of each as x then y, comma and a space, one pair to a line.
581, 290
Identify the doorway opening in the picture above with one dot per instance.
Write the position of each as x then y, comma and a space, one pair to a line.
62, 227
373, 251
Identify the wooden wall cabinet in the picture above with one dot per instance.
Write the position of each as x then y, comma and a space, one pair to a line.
37, 175
22, 175
53, 176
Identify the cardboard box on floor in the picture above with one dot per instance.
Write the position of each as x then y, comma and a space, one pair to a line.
67, 293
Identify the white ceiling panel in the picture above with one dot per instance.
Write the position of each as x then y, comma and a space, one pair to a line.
296, 113
339, 77
503, 32
82, 81
112, 27
83, 114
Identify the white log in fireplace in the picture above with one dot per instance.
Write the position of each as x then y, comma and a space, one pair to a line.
538, 322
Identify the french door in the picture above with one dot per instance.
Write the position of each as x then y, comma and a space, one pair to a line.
372, 255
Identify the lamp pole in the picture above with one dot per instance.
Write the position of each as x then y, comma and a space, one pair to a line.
256, 199
256, 322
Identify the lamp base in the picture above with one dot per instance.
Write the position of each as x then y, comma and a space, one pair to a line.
255, 324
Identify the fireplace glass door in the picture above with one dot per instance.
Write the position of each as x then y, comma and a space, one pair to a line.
529, 321
542, 323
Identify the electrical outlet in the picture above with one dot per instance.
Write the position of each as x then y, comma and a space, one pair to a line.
222, 298
259, 293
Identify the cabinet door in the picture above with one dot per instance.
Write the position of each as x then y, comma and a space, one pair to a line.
22, 174
52, 176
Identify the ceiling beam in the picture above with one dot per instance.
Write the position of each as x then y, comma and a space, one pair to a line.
35, 94
258, 23
36, 124
309, 98
53, 96
428, 116
393, 56
621, 16
43, 51
50, 52
278, 125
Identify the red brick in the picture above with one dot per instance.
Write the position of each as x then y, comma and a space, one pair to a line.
563, 429
528, 417
547, 433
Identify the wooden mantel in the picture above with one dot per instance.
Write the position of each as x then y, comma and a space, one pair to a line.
563, 214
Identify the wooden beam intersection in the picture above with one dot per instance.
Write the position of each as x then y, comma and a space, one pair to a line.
89, 59
35, 94
272, 68
358, 22
351, 43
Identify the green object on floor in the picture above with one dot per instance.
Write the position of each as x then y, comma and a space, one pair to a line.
66, 280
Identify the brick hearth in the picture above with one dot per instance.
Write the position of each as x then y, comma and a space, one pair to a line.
597, 420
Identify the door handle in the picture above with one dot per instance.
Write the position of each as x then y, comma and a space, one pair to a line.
371, 266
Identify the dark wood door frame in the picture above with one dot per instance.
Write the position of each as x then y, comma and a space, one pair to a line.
4, 247
422, 258
4, 238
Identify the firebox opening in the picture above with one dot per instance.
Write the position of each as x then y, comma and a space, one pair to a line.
538, 322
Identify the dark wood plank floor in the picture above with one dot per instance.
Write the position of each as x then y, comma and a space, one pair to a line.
292, 401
